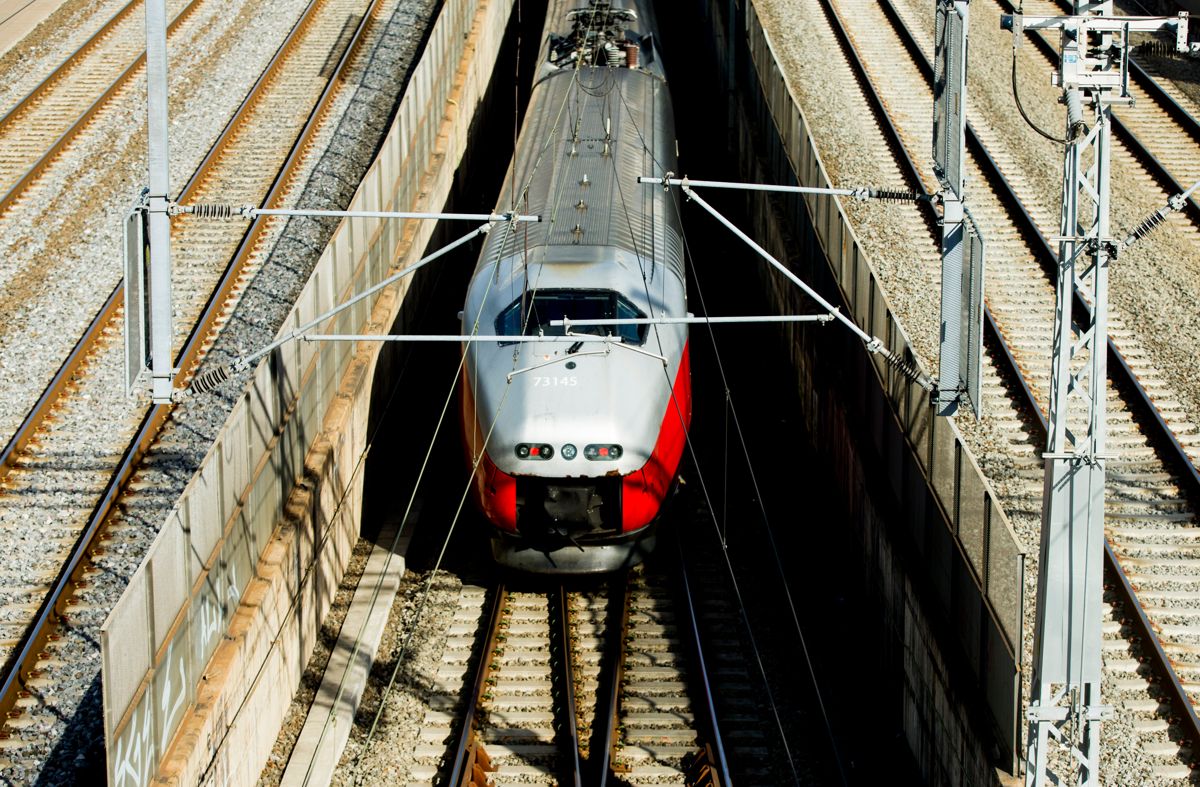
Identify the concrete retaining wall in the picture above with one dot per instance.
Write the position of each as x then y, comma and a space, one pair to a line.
203, 652
938, 554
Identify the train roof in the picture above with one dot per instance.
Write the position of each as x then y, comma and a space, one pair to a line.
589, 134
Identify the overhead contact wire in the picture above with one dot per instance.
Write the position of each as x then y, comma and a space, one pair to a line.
476, 459
732, 409
421, 603
703, 484
404, 521
733, 579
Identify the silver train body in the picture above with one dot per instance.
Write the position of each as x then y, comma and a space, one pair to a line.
577, 443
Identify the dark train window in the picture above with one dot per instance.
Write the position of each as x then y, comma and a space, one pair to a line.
543, 306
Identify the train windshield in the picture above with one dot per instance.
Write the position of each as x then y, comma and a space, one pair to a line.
537, 309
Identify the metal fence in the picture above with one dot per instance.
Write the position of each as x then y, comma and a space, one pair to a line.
974, 561
163, 631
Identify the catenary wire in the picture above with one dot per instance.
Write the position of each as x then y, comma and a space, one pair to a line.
762, 505
750, 466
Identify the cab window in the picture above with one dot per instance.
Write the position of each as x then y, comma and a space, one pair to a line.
537, 309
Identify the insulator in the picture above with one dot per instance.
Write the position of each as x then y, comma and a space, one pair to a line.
209, 380
1146, 227
894, 195
632, 53
905, 368
613, 56
210, 211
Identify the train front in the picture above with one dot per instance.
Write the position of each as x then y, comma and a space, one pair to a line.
577, 438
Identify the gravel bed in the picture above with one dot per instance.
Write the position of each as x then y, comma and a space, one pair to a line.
389, 757
74, 217
1153, 286
1178, 71
71, 732
314, 673
44, 48
846, 138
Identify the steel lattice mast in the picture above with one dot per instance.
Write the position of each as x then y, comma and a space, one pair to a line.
1065, 707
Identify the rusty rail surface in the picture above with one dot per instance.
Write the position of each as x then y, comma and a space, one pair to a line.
608, 710
561, 638
468, 760
1119, 371
34, 172
53, 608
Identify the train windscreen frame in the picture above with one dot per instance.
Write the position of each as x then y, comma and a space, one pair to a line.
543, 306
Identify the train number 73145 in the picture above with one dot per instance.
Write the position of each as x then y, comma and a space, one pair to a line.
565, 381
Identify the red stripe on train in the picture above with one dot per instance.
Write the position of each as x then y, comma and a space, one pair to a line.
495, 491
644, 490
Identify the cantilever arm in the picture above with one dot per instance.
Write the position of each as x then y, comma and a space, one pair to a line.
873, 343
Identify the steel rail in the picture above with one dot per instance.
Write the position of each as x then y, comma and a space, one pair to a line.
1177, 695
566, 677
1048, 256
881, 114
608, 710
720, 762
463, 759
77, 357
53, 606
65, 67
1125, 379
59, 383
1157, 94
75, 360
81, 122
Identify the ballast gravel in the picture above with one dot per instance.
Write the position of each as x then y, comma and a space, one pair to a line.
411, 648
38, 53
848, 144
71, 745
63, 239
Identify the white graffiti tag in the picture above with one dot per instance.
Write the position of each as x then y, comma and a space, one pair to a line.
134, 758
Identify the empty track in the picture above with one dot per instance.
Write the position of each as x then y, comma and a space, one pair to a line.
1150, 516
81, 448
37, 129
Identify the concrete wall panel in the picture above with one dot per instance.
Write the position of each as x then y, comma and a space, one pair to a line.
972, 514
202, 521
943, 467
1006, 576
255, 567
968, 612
1004, 695
123, 640
962, 541
169, 579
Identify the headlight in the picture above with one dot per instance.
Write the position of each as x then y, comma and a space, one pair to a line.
534, 450
600, 453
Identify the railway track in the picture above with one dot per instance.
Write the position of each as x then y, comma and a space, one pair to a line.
56, 462
1150, 519
1158, 130
42, 124
576, 688
582, 686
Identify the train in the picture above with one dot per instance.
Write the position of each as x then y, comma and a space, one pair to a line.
576, 445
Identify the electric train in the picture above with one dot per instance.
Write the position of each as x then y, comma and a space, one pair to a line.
577, 441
